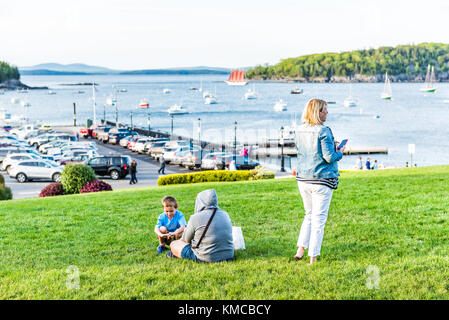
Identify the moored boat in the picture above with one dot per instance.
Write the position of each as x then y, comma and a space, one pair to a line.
177, 109
144, 104
280, 106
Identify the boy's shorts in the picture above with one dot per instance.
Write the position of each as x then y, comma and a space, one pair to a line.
187, 253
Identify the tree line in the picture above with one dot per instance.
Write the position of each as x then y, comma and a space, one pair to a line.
407, 60
8, 72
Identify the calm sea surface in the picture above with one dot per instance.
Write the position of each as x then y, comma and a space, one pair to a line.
412, 117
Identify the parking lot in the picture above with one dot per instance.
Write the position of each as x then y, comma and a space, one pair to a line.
147, 174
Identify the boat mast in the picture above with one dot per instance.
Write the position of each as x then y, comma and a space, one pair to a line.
94, 104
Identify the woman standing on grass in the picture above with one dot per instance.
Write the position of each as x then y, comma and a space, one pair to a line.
317, 175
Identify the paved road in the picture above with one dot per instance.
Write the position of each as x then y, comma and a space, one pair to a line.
146, 174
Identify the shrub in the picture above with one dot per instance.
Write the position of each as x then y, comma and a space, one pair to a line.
261, 173
53, 189
214, 176
5, 193
75, 176
95, 186
2, 181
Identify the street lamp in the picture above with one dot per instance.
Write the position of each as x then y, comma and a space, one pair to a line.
199, 138
149, 128
131, 115
282, 149
171, 118
235, 141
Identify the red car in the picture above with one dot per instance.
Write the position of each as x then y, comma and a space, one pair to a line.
132, 142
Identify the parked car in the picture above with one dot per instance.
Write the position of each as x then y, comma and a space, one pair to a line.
151, 142
182, 152
17, 157
41, 139
132, 142
140, 145
23, 131
157, 149
124, 141
170, 152
14, 149
35, 169
240, 163
76, 159
101, 134
190, 159
209, 161
117, 134
114, 166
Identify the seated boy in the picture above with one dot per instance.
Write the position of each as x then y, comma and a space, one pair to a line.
170, 224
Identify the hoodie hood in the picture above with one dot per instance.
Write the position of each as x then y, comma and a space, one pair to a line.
206, 199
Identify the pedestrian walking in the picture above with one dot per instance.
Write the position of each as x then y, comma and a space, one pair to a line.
316, 174
133, 171
162, 167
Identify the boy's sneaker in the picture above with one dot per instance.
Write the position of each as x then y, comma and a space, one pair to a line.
161, 249
170, 255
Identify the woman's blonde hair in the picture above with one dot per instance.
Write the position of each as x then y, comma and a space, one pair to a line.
311, 113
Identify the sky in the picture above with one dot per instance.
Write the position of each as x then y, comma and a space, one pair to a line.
147, 34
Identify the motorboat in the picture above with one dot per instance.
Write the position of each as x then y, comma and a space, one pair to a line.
349, 102
280, 106
123, 90
144, 104
207, 94
210, 100
297, 91
177, 109
51, 92
78, 92
25, 103
166, 91
111, 101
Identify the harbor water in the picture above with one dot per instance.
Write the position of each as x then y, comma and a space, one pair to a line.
411, 117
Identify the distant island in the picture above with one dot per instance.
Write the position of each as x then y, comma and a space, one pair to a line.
83, 69
404, 63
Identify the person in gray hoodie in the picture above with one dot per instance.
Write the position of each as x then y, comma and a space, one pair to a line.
217, 244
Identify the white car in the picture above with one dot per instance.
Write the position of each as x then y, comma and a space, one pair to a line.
209, 161
139, 147
170, 152
35, 169
22, 132
16, 157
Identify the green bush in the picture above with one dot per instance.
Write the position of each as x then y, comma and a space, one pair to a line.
215, 176
5, 193
75, 176
2, 181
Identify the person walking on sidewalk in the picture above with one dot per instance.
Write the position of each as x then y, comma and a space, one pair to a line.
162, 168
317, 175
133, 171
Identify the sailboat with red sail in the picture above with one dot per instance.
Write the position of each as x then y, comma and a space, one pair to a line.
237, 78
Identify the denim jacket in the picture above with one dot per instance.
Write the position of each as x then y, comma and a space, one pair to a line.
317, 155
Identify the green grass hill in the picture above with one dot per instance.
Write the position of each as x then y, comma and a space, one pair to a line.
386, 238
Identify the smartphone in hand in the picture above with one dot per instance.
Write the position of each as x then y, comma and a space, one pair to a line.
342, 144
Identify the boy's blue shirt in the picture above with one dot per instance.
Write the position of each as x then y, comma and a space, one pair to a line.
177, 222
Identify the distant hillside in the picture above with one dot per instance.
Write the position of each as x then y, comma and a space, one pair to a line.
83, 69
403, 63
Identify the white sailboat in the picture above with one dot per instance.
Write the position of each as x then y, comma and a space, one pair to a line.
430, 79
350, 101
177, 109
387, 94
251, 94
280, 106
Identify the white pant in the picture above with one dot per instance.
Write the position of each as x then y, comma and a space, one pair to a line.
316, 199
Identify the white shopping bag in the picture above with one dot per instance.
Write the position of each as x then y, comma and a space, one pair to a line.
237, 236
